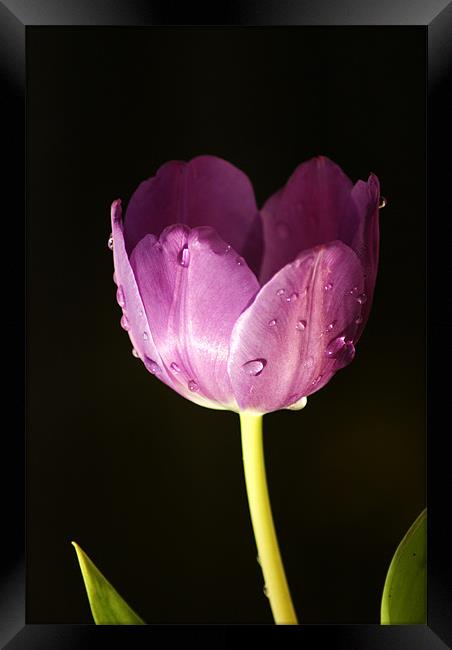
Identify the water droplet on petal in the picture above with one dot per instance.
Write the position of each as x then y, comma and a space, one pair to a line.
145, 336
354, 291
125, 323
254, 367
335, 346
184, 256
152, 366
228, 248
342, 351
239, 261
174, 367
120, 297
110, 242
317, 379
361, 298
301, 325
331, 326
282, 229
347, 355
292, 297
296, 403
280, 292
193, 385
328, 286
272, 323
383, 202
135, 353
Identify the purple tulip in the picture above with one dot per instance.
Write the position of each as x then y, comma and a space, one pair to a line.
241, 309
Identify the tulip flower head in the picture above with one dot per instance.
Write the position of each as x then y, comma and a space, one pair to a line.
239, 308
243, 309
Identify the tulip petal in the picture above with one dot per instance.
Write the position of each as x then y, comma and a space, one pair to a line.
130, 300
206, 191
298, 331
306, 212
364, 236
194, 286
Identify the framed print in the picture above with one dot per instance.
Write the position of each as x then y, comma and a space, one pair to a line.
230, 219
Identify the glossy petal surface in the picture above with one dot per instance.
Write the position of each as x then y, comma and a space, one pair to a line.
364, 236
194, 287
299, 330
311, 209
206, 191
130, 300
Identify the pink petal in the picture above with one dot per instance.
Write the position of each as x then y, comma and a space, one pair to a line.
128, 295
298, 331
194, 286
207, 191
364, 238
306, 212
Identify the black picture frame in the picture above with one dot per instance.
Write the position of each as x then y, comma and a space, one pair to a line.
436, 19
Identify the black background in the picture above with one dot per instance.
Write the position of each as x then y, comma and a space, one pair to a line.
149, 484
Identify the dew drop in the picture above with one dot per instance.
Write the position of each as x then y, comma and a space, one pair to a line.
331, 326
239, 261
120, 297
228, 248
342, 351
272, 323
301, 325
280, 292
125, 323
296, 403
145, 336
174, 367
110, 242
135, 353
383, 202
347, 355
317, 379
335, 346
184, 257
193, 385
254, 367
282, 230
292, 297
354, 291
140, 313
361, 298
152, 366
328, 286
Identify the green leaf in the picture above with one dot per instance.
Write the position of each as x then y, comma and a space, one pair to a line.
107, 606
404, 594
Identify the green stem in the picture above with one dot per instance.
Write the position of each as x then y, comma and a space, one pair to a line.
276, 585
